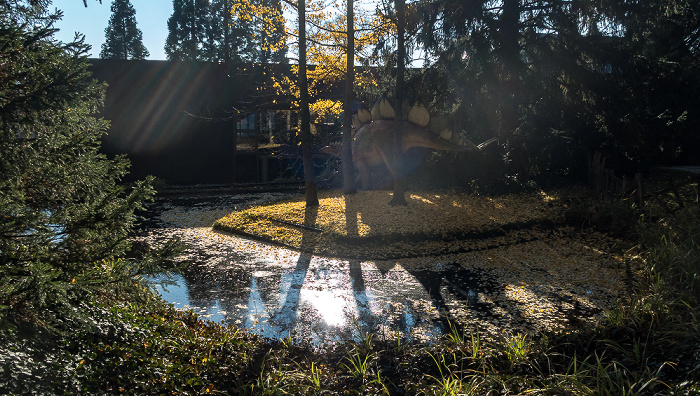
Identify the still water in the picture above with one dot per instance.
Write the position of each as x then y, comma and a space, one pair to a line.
321, 300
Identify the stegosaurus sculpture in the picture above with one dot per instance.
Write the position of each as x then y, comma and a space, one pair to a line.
373, 140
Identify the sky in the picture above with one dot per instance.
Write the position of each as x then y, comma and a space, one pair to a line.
151, 17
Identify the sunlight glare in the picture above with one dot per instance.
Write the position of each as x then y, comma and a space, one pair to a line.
329, 305
419, 198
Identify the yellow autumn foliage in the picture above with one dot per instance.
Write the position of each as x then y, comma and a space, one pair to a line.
326, 46
343, 224
268, 20
324, 108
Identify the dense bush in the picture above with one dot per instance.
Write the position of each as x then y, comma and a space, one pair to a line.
65, 219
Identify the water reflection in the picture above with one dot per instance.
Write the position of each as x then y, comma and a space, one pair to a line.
317, 299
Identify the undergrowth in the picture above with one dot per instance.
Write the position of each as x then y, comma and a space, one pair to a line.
649, 344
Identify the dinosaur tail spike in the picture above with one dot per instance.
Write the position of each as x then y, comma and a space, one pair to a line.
364, 116
487, 143
357, 122
474, 147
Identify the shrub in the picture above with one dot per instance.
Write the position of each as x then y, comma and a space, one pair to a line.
65, 219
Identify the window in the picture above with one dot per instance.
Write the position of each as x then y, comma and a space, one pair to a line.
247, 122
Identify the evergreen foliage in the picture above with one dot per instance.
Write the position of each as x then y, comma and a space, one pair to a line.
65, 218
223, 31
123, 40
26, 11
181, 43
226, 41
555, 80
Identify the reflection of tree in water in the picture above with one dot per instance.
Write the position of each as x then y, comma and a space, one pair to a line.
279, 308
202, 286
366, 320
398, 307
365, 317
284, 318
287, 313
208, 283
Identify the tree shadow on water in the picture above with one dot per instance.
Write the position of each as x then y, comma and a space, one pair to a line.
454, 284
365, 320
287, 313
446, 285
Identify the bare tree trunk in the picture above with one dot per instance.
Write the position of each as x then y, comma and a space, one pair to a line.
234, 120
309, 174
227, 32
398, 198
509, 34
348, 170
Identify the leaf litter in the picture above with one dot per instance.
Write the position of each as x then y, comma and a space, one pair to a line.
502, 264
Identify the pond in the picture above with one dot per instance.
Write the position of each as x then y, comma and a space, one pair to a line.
322, 300
277, 292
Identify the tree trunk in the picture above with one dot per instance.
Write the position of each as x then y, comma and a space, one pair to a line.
398, 198
309, 174
510, 53
235, 144
227, 31
348, 170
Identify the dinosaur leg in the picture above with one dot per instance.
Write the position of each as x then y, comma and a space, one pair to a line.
389, 162
363, 169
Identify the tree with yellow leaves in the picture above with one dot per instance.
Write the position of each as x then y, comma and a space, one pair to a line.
266, 23
309, 174
327, 46
348, 180
333, 46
